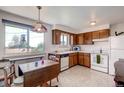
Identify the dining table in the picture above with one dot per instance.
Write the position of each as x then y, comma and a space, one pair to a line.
38, 72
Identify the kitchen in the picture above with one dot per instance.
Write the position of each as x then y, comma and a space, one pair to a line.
77, 56
88, 52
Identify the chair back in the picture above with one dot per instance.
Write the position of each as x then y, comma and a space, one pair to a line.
9, 74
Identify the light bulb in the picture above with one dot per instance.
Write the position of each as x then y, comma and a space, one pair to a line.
93, 23
38, 29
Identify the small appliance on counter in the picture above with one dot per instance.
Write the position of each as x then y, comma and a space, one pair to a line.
76, 48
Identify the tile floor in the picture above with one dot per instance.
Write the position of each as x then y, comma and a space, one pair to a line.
79, 76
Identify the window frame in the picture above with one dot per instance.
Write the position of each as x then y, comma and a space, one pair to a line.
28, 31
68, 39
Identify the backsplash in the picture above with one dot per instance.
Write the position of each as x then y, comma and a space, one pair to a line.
60, 48
105, 46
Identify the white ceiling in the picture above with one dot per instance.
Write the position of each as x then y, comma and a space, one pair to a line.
77, 17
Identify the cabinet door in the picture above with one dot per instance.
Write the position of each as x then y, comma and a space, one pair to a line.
56, 36
104, 33
80, 39
70, 61
75, 59
95, 35
80, 59
74, 39
88, 38
87, 60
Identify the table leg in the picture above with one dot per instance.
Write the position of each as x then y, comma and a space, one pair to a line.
50, 83
57, 79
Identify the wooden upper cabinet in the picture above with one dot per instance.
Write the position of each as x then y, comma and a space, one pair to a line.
104, 33
80, 39
101, 34
88, 38
56, 34
95, 35
73, 39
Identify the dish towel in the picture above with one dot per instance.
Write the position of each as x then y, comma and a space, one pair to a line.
98, 59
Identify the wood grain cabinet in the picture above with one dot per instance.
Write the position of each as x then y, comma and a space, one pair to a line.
101, 34
56, 34
104, 33
80, 59
88, 38
73, 39
72, 59
86, 59
80, 39
75, 59
95, 35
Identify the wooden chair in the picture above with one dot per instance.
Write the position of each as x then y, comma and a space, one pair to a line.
10, 78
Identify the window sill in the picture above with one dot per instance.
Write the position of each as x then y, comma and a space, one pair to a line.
22, 55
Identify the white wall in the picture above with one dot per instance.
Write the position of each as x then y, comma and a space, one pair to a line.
115, 52
117, 28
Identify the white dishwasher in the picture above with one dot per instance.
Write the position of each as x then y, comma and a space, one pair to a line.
64, 61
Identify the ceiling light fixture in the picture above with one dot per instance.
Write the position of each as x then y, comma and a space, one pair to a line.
39, 27
92, 23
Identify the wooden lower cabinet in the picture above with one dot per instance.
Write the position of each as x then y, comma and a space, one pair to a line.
72, 59
86, 60
80, 59
75, 59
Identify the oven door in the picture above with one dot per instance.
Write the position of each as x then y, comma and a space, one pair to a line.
103, 60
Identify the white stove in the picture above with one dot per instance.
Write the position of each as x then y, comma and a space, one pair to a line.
103, 65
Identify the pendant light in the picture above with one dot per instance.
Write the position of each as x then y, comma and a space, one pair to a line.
39, 27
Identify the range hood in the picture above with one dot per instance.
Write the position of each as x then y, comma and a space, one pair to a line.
101, 40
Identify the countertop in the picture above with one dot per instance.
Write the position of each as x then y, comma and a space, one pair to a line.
68, 52
27, 67
15, 58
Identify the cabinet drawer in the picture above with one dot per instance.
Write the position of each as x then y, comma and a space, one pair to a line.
86, 54
72, 54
